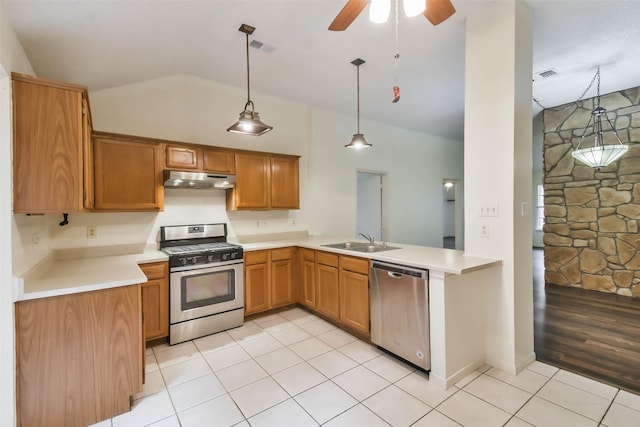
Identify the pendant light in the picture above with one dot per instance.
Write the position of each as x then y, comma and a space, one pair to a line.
358, 140
599, 155
249, 122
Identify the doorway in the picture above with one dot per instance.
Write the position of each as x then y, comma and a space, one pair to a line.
451, 214
370, 204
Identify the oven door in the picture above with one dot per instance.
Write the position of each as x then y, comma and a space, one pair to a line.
205, 290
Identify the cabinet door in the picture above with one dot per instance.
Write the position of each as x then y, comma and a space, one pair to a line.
285, 191
179, 157
78, 357
252, 181
155, 308
128, 174
354, 300
309, 284
281, 282
328, 295
47, 148
256, 288
221, 161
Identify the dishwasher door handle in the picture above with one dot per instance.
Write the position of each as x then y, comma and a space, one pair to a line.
394, 275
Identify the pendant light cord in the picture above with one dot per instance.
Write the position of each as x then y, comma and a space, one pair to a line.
595, 77
358, 94
248, 80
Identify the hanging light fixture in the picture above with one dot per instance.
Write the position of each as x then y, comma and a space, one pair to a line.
358, 140
599, 155
249, 122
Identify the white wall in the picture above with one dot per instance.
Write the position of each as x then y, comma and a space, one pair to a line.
414, 164
12, 58
498, 168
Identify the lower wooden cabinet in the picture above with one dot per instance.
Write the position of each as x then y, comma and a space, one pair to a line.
268, 279
341, 286
308, 278
155, 300
78, 356
354, 293
327, 285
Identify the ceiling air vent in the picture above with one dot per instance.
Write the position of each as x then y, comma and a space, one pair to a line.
261, 46
547, 73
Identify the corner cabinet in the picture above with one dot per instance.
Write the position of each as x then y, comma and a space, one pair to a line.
79, 357
265, 181
128, 173
51, 146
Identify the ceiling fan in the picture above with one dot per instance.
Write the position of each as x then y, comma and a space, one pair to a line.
436, 11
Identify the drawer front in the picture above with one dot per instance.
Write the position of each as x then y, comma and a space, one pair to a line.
255, 257
155, 270
357, 265
327, 258
308, 255
281, 254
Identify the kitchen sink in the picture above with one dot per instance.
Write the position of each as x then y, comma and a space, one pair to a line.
361, 246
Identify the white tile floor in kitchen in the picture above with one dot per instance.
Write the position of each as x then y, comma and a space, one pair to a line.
293, 369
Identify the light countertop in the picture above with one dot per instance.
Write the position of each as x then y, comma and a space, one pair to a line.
68, 272
446, 260
80, 270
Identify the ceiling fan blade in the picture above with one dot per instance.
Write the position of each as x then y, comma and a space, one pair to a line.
348, 13
438, 11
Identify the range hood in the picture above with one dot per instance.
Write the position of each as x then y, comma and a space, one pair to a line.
199, 180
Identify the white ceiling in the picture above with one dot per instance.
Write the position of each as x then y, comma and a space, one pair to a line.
106, 43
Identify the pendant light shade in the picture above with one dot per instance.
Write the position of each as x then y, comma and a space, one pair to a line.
600, 155
249, 122
358, 140
379, 11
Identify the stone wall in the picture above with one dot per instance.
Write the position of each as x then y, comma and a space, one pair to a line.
592, 216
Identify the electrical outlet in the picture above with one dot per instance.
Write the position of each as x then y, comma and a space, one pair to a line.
92, 232
35, 239
484, 230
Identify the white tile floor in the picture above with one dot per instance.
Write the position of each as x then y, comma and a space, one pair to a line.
294, 369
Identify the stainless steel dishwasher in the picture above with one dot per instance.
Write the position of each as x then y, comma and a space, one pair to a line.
400, 311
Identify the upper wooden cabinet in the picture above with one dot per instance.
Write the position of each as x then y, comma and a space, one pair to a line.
51, 146
265, 181
128, 173
199, 158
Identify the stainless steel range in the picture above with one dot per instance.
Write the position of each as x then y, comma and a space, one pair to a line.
206, 288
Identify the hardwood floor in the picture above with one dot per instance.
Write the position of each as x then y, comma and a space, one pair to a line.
587, 332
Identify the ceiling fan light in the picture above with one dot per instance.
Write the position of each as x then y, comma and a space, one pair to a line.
413, 7
379, 11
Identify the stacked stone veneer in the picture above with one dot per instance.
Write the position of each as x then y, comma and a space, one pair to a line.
592, 216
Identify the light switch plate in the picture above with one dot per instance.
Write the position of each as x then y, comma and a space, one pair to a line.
489, 210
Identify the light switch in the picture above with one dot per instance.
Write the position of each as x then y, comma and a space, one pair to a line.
488, 210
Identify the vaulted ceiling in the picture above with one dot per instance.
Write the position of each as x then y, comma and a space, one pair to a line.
106, 43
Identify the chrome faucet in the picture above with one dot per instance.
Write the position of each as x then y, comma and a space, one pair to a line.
369, 237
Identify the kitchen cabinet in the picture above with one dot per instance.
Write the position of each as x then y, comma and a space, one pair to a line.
128, 173
155, 300
327, 284
199, 158
268, 279
307, 271
265, 181
354, 293
78, 356
52, 163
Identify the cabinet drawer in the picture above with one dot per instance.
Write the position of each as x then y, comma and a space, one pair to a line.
327, 258
155, 270
307, 255
281, 254
255, 257
357, 265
